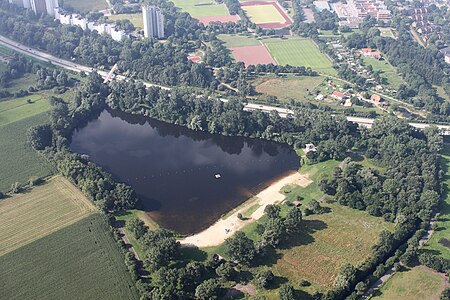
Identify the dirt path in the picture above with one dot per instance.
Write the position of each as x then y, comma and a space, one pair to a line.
217, 233
127, 242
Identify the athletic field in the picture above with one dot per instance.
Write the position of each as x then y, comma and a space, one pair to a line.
262, 14
252, 55
299, 52
45, 209
201, 8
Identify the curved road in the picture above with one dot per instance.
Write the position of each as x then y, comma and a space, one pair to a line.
69, 65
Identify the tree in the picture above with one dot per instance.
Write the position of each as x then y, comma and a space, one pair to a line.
226, 270
272, 211
40, 136
287, 292
137, 227
264, 278
293, 220
240, 248
208, 290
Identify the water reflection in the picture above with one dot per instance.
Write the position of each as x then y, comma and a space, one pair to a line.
172, 168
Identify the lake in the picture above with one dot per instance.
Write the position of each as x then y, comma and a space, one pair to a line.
173, 169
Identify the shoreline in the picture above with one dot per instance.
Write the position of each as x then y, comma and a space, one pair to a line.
224, 228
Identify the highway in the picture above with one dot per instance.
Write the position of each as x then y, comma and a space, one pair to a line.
72, 66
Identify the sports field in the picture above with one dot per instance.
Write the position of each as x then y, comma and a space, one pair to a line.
136, 19
19, 161
85, 6
418, 283
239, 40
440, 240
262, 14
21, 108
201, 8
45, 209
253, 55
80, 261
299, 52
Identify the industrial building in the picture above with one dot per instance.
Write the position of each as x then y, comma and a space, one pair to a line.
153, 21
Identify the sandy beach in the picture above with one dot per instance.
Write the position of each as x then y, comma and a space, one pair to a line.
217, 233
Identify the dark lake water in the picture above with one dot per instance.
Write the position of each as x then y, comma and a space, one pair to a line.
173, 169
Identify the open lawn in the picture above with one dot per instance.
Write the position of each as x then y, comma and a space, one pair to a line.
87, 5
201, 8
287, 88
21, 108
19, 161
45, 209
80, 261
136, 19
388, 72
263, 14
440, 240
419, 283
239, 40
299, 52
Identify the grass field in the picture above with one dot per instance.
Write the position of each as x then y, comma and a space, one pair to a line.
80, 261
45, 209
442, 233
299, 52
201, 8
238, 40
287, 88
419, 283
87, 5
387, 71
262, 14
136, 19
19, 108
19, 161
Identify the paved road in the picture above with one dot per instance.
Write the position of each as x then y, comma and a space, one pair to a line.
69, 65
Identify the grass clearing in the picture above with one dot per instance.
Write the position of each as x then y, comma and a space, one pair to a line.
81, 261
43, 210
21, 108
415, 284
85, 6
299, 52
291, 87
440, 240
388, 72
263, 14
136, 19
19, 161
201, 8
239, 40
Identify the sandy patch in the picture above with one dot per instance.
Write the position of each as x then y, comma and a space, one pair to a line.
217, 233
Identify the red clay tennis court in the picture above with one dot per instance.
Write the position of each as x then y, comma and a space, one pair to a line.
223, 19
253, 55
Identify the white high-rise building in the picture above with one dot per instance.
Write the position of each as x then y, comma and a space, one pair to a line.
21, 3
51, 5
38, 6
153, 21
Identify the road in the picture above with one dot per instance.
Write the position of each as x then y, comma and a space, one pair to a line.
72, 66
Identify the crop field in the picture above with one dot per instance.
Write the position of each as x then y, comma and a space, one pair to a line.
388, 72
45, 209
239, 40
136, 19
21, 108
19, 161
287, 88
80, 261
252, 55
299, 52
201, 8
440, 240
87, 5
418, 283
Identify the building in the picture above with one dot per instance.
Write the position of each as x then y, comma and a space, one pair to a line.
376, 98
51, 5
39, 6
310, 148
446, 52
153, 21
322, 5
338, 95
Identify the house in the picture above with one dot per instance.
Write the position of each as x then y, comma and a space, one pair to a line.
319, 97
338, 95
376, 98
376, 54
446, 52
296, 203
310, 148
366, 51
